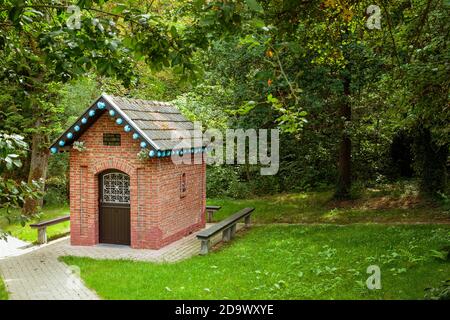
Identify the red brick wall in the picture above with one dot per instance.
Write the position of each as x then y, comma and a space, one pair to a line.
158, 214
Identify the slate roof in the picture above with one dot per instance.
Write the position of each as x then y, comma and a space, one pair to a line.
157, 123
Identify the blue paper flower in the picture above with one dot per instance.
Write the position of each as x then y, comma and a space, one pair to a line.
127, 128
76, 128
100, 105
61, 143
135, 136
151, 153
84, 121
112, 113
91, 113
143, 144
69, 135
119, 121
54, 150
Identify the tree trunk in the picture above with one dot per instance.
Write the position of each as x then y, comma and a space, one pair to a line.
38, 167
345, 148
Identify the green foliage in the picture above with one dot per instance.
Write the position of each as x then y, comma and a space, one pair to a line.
444, 200
243, 64
57, 184
431, 162
43, 46
11, 148
56, 192
418, 86
79, 146
290, 63
223, 181
442, 255
143, 154
206, 104
75, 96
441, 292
13, 193
3, 292
164, 85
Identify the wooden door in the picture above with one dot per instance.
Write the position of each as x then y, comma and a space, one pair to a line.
114, 219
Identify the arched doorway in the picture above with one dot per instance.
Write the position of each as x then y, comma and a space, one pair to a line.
114, 207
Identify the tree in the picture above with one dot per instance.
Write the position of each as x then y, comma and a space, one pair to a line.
40, 50
326, 39
418, 85
399, 71
12, 193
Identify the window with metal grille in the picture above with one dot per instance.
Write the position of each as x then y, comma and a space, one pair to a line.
111, 139
116, 188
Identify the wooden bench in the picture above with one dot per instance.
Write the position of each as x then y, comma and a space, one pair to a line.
210, 210
42, 227
227, 227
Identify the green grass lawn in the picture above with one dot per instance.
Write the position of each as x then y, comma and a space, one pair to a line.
3, 292
28, 234
286, 262
317, 207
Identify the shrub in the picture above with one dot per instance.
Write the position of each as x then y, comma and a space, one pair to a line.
56, 191
223, 181
441, 292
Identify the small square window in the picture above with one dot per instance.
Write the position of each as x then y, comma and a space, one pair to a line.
111, 139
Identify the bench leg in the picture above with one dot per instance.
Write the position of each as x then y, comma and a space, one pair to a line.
232, 231
210, 216
42, 235
205, 247
226, 235
247, 221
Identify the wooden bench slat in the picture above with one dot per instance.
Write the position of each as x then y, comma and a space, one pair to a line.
213, 208
205, 234
50, 222
42, 227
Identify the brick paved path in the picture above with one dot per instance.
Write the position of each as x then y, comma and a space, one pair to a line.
38, 275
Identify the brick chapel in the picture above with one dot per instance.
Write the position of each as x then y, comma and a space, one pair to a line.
119, 197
